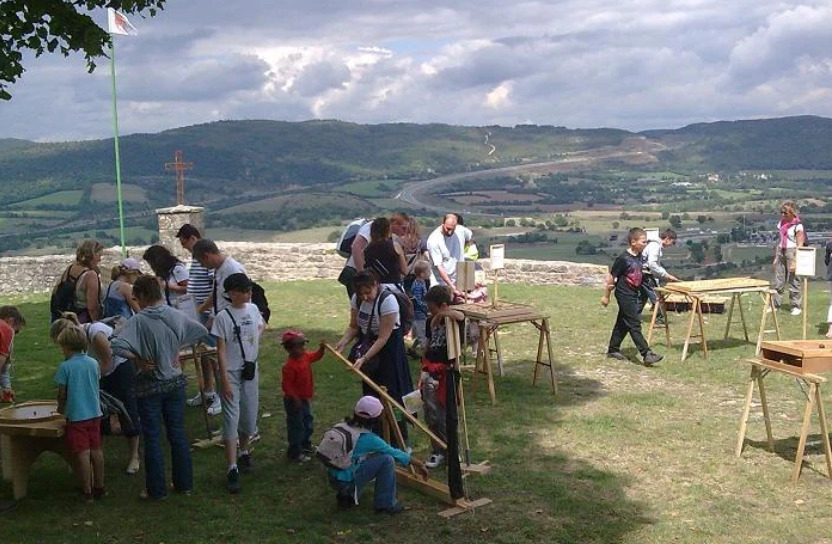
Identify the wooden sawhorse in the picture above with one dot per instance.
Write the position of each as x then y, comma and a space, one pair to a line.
760, 368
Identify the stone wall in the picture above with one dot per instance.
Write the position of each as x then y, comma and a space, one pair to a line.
282, 262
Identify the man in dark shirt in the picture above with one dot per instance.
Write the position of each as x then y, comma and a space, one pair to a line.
625, 278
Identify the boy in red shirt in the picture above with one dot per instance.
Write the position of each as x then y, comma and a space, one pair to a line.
298, 390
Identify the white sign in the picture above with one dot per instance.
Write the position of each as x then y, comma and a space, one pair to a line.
806, 260
498, 256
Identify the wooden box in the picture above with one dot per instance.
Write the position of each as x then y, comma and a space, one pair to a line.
674, 302
809, 355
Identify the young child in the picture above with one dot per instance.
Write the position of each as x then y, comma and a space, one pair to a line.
435, 363
372, 459
626, 277
298, 390
238, 329
77, 381
11, 322
420, 310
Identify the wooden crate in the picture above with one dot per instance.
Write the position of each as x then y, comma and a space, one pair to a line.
809, 355
711, 304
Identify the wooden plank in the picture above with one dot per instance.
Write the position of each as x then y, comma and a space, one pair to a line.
722, 284
430, 487
464, 506
787, 369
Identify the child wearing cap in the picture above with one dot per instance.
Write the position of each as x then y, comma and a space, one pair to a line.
372, 459
118, 299
298, 390
238, 328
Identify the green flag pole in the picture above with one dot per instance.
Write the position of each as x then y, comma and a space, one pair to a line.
115, 141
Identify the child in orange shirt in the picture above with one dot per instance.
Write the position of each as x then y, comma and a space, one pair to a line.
298, 390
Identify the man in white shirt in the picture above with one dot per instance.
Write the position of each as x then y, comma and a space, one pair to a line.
207, 253
445, 248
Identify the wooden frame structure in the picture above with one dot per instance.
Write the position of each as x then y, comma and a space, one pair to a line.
488, 319
760, 368
696, 291
196, 354
408, 477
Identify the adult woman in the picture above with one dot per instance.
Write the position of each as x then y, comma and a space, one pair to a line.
151, 339
116, 378
84, 272
384, 256
118, 299
172, 274
792, 236
379, 349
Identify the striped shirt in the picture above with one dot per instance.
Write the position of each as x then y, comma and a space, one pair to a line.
201, 281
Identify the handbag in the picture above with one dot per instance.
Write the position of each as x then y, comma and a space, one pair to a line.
249, 367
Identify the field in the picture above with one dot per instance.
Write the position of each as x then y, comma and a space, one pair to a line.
106, 192
624, 454
69, 198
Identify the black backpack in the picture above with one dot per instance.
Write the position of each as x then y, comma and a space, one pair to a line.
405, 308
63, 296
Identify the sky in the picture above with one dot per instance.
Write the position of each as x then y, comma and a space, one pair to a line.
634, 64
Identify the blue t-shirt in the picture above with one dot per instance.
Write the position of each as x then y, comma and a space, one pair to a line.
79, 374
368, 443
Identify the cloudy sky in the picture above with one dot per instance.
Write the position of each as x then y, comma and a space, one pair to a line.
633, 64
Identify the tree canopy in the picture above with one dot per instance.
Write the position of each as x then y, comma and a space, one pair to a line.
56, 25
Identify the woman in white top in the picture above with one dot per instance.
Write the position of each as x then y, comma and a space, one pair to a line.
791, 236
172, 274
379, 347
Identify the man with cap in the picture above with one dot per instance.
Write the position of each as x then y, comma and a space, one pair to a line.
298, 390
238, 328
373, 459
200, 284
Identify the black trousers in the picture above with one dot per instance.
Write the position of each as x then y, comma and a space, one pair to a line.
628, 321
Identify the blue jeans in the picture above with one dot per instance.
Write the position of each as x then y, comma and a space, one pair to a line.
379, 467
298, 426
153, 410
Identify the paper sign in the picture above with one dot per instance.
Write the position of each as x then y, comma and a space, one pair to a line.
806, 260
498, 256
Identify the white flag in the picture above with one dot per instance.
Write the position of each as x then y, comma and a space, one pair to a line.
117, 23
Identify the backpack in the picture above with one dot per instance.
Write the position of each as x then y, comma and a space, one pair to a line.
344, 244
406, 311
337, 445
258, 298
63, 296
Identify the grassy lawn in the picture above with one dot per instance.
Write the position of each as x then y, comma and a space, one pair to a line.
106, 192
622, 454
58, 197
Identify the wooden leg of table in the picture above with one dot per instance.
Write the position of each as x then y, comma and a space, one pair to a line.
766, 305
499, 353
479, 362
730, 315
764, 403
746, 411
824, 432
200, 380
776, 321
690, 329
551, 357
701, 319
804, 431
653, 315
487, 364
539, 360
742, 317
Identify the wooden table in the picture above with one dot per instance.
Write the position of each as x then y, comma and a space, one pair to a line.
697, 291
760, 368
22, 442
197, 354
488, 320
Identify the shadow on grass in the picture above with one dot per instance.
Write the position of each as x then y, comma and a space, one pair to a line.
786, 448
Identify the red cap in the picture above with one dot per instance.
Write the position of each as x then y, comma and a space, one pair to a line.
291, 337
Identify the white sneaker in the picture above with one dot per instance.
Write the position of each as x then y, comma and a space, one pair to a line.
767, 310
434, 460
195, 401
796, 311
215, 408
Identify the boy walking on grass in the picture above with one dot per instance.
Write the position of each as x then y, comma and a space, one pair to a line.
238, 328
298, 390
625, 278
77, 381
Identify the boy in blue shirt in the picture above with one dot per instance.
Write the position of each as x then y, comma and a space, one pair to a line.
77, 381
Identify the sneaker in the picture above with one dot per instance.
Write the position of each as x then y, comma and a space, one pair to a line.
255, 437
617, 355
652, 358
195, 400
434, 460
302, 458
310, 450
215, 408
392, 510
244, 462
796, 311
232, 483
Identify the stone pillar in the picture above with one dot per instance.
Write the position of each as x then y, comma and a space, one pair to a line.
170, 219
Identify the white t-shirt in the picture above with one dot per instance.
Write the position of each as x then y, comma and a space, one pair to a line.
250, 322
229, 266
363, 232
178, 274
94, 329
388, 306
446, 251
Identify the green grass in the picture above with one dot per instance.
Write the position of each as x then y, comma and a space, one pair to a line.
106, 192
71, 198
622, 454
